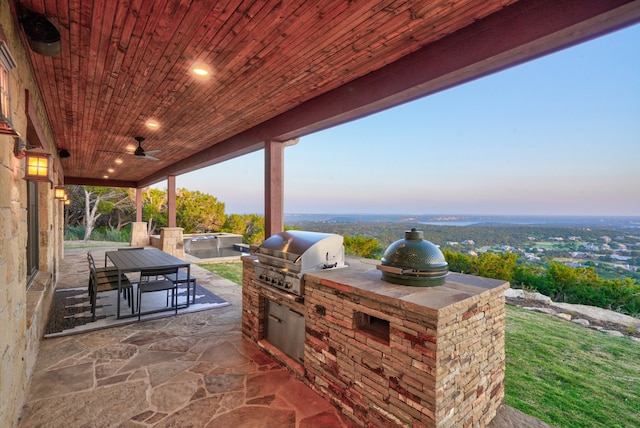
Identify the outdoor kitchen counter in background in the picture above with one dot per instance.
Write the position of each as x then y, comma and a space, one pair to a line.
394, 355
361, 278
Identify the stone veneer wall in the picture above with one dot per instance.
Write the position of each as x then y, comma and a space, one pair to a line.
388, 363
172, 241
139, 234
23, 310
437, 369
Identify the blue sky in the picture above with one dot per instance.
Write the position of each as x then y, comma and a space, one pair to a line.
556, 136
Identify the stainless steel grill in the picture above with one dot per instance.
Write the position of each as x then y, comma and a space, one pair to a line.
285, 257
282, 261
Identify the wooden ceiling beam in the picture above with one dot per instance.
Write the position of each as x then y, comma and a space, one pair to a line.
85, 181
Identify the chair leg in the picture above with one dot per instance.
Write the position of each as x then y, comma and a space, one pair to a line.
92, 298
174, 298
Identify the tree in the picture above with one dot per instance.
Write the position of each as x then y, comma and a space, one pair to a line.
498, 266
124, 210
458, 262
198, 212
255, 229
74, 212
568, 281
362, 246
154, 209
235, 223
250, 226
97, 201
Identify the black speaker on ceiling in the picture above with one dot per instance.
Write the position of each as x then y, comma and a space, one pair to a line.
43, 36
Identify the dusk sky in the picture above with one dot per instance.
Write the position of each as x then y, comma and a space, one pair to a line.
556, 136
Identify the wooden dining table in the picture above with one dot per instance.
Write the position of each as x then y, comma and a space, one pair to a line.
142, 260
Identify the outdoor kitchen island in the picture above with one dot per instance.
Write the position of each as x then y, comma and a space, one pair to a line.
392, 355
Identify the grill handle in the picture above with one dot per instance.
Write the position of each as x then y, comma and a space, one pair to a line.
288, 296
409, 272
274, 318
391, 269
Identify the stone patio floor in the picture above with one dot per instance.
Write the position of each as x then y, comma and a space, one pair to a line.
191, 370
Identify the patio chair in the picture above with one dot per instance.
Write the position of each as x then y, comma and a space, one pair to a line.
154, 280
181, 278
106, 279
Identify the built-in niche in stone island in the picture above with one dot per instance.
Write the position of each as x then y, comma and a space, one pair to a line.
374, 327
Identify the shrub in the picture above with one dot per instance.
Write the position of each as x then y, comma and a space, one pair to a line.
122, 235
74, 233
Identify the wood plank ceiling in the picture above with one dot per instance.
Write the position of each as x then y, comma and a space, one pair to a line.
124, 63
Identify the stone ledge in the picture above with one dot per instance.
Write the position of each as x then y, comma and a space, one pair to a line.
39, 298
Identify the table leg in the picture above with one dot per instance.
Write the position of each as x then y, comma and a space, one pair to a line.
119, 290
188, 285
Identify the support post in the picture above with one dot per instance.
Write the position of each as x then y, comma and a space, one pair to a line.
171, 201
274, 187
138, 205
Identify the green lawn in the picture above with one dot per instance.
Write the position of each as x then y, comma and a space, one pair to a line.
570, 376
230, 271
559, 372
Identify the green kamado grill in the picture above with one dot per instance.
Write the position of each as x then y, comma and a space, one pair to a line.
414, 261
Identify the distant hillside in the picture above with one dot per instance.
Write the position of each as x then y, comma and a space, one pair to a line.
467, 220
485, 234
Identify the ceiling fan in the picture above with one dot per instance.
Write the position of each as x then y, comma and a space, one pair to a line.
139, 152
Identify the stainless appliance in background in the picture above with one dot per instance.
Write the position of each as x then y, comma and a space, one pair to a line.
285, 257
284, 329
282, 261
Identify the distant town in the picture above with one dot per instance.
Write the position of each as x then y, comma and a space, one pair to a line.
611, 245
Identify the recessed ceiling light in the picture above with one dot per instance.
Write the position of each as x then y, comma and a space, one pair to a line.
105, 176
200, 71
110, 170
118, 161
152, 124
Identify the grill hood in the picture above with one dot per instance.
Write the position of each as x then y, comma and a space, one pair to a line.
285, 257
302, 251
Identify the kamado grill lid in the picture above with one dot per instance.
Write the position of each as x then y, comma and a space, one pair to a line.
414, 261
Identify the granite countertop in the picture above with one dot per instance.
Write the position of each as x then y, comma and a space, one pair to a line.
362, 278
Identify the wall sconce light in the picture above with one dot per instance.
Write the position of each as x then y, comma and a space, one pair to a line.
19, 147
60, 193
39, 167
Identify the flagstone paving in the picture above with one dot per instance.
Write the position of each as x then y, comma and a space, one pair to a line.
191, 370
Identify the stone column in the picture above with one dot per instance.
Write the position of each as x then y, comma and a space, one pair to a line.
139, 236
171, 241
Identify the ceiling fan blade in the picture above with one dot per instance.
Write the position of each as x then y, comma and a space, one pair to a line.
152, 152
146, 156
